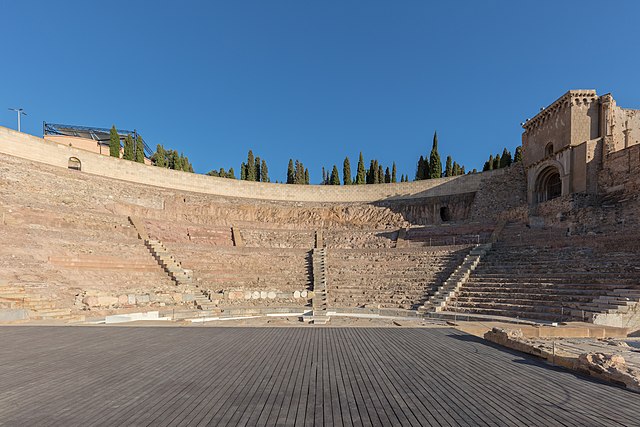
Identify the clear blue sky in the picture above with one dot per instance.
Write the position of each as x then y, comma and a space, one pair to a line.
313, 80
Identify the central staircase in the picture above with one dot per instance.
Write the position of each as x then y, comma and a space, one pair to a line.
319, 256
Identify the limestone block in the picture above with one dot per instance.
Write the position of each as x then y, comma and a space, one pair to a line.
142, 299
304, 294
255, 295
131, 299
247, 295
188, 297
176, 296
271, 295
296, 294
263, 294
236, 295
123, 299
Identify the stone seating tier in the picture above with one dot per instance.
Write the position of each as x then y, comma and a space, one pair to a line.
543, 274
245, 269
387, 278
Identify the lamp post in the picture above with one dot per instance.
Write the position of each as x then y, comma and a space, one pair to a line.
20, 112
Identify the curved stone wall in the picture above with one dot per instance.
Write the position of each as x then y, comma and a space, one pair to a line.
37, 149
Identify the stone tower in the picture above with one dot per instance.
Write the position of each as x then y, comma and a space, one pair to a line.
565, 145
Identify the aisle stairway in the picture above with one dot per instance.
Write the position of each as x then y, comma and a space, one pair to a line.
319, 256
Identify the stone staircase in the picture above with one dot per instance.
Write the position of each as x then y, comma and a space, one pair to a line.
319, 303
39, 307
182, 277
439, 299
616, 301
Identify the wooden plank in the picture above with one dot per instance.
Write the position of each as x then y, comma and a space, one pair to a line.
288, 376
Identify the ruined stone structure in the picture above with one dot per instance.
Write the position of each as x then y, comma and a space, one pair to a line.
567, 144
550, 238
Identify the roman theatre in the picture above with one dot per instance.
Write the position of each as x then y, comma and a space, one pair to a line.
274, 304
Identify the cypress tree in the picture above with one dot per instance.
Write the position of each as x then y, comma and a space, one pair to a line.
335, 177
257, 167
251, 167
393, 173
421, 171
505, 159
448, 169
387, 176
346, 171
128, 148
243, 171
496, 162
306, 176
299, 178
462, 172
324, 176
380, 175
435, 165
159, 157
290, 172
174, 162
264, 172
140, 149
370, 177
361, 174
231, 174
518, 155
114, 142
490, 163
455, 170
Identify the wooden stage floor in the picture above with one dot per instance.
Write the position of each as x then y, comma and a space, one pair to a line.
84, 376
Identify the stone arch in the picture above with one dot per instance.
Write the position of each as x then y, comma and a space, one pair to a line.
548, 184
445, 214
74, 164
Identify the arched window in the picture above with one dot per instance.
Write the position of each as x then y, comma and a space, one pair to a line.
548, 184
74, 163
548, 150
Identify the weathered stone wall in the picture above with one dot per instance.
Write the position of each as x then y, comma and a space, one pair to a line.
503, 197
433, 210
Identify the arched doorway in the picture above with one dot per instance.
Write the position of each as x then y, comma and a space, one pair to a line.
548, 184
445, 215
74, 164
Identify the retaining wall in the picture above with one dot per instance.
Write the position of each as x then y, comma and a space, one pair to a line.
37, 149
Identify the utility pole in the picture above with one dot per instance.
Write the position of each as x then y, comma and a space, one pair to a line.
20, 112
